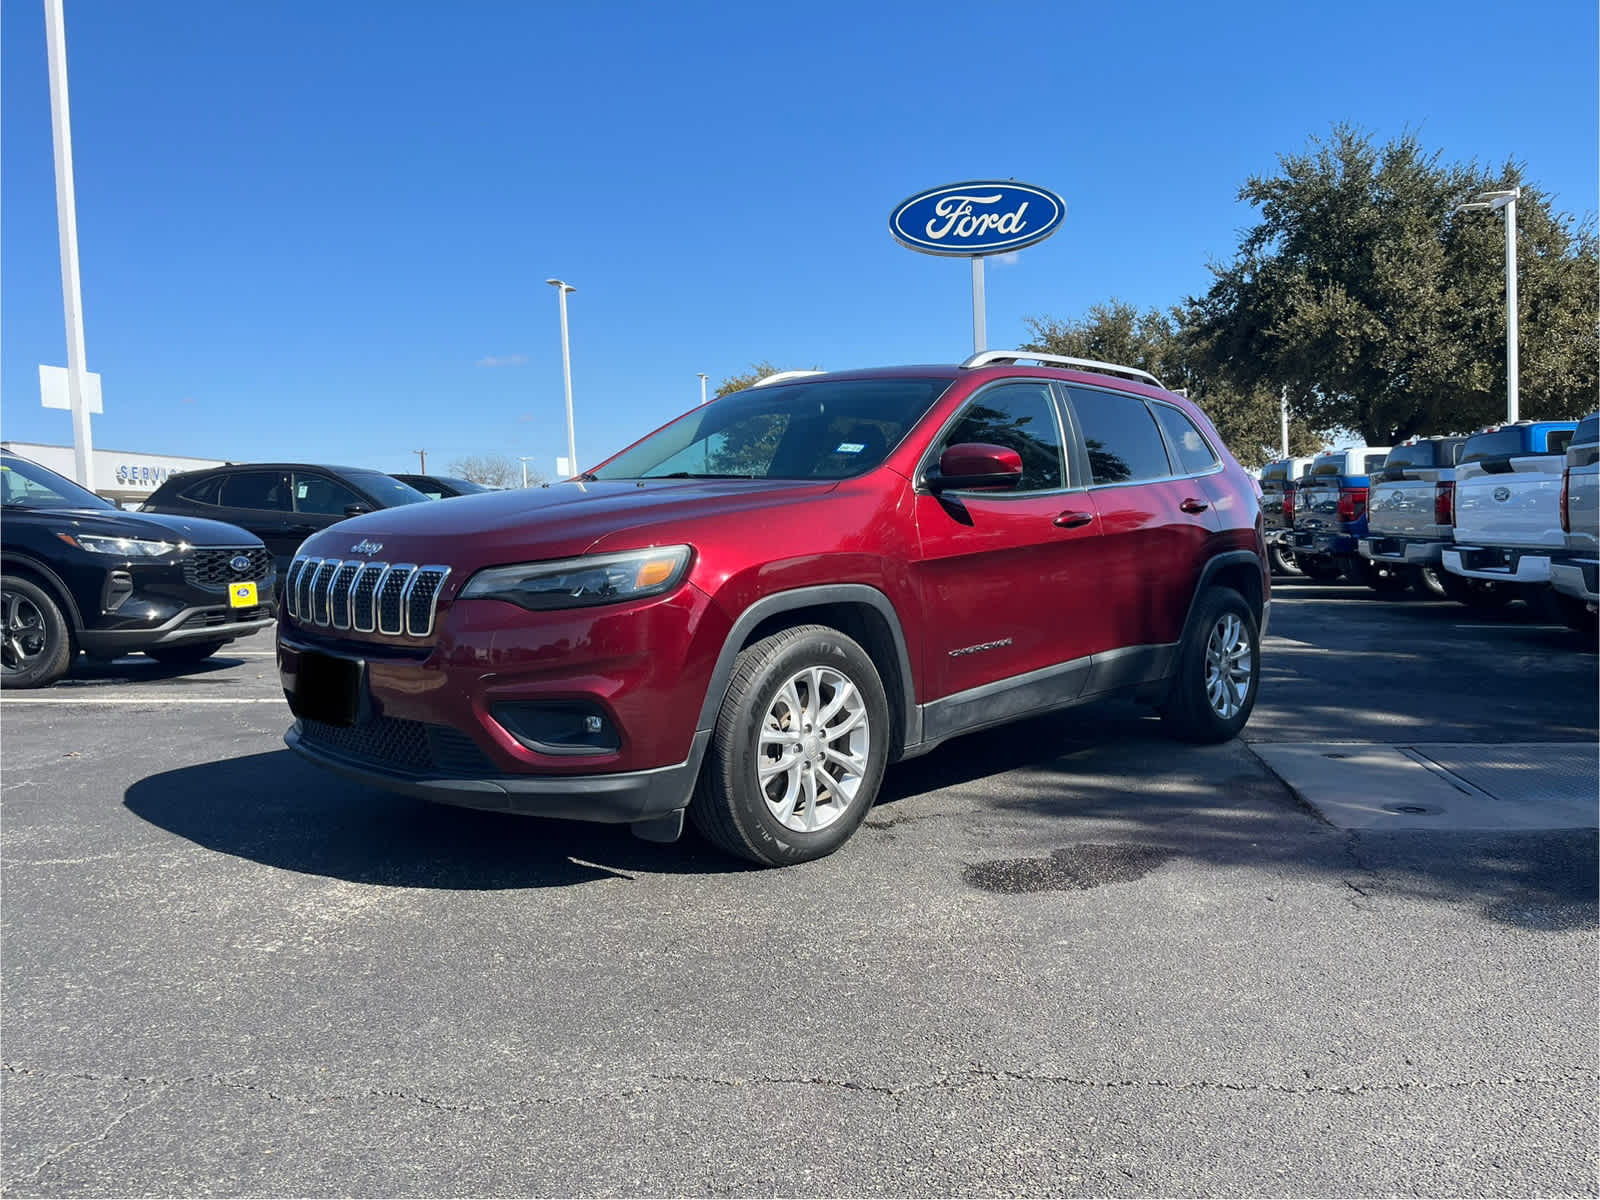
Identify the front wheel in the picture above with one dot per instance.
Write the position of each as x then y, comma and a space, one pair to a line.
36, 649
799, 749
185, 655
1214, 689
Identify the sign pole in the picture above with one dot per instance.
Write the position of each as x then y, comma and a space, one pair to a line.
979, 333
67, 226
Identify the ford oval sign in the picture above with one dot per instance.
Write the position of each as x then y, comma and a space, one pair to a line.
974, 219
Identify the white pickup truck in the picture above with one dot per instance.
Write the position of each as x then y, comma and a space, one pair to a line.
1409, 511
1508, 507
1573, 575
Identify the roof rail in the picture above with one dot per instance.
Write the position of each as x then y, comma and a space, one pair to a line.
987, 357
780, 376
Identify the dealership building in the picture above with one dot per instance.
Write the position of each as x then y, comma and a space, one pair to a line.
124, 476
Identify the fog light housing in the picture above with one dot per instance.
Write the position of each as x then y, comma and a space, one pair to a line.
119, 586
559, 726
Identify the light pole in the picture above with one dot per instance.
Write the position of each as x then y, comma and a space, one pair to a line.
67, 227
1506, 199
523, 459
562, 288
703, 378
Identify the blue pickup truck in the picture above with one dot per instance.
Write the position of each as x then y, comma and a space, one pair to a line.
1330, 518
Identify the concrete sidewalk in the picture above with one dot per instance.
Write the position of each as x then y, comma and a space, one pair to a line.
1443, 785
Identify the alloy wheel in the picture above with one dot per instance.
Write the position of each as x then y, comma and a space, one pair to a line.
1230, 665
24, 636
813, 750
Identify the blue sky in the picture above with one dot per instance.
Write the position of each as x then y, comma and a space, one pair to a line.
308, 229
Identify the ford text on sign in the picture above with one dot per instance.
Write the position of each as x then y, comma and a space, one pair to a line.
984, 217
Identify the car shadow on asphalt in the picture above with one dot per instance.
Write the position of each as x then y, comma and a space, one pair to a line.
1070, 771
276, 810
137, 668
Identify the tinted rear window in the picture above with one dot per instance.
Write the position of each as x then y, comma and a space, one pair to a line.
1499, 444
1277, 470
1423, 454
1588, 430
1328, 466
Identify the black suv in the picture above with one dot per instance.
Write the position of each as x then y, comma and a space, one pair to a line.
78, 573
442, 487
281, 503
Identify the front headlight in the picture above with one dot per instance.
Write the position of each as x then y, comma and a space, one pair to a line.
121, 547
581, 582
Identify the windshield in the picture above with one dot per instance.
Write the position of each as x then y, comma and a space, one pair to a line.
386, 489
465, 486
25, 484
831, 429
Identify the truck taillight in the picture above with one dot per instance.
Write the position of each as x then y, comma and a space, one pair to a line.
1288, 504
1352, 503
1444, 503
1566, 511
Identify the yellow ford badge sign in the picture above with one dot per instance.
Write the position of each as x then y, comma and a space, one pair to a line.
241, 595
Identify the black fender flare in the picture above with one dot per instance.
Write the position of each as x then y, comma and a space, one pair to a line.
61, 592
810, 597
1208, 573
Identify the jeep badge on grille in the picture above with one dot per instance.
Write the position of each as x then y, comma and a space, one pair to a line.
366, 547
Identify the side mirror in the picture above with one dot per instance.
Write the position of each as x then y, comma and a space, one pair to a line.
975, 465
355, 510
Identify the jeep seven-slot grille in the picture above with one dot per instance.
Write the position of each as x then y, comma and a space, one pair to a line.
211, 568
397, 599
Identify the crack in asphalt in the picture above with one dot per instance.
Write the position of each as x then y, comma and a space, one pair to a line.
1352, 851
61, 1152
970, 1077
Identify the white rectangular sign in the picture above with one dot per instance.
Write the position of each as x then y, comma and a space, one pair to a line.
53, 392
562, 469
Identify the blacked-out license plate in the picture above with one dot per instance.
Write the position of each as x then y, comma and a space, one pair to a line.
328, 689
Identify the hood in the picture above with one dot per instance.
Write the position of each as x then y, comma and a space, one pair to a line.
118, 523
555, 521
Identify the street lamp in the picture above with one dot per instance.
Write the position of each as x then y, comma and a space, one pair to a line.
703, 378
1506, 199
523, 459
562, 289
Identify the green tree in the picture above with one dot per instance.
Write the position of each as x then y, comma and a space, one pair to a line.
747, 447
1167, 346
1384, 313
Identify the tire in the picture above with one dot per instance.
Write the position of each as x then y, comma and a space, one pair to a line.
1219, 670
791, 679
1482, 594
1282, 561
186, 654
1429, 582
1323, 570
36, 642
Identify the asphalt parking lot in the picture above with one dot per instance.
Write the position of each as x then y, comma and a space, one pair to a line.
1066, 957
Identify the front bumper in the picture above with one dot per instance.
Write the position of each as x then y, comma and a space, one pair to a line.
1503, 564
620, 798
200, 624
1577, 577
1402, 551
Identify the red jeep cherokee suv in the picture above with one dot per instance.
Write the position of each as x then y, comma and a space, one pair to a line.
750, 613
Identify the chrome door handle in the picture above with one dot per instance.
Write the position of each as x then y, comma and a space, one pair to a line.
1072, 520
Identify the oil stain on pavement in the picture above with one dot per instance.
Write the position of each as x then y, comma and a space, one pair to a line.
1072, 868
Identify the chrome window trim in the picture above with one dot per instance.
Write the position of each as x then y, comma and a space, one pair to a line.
930, 459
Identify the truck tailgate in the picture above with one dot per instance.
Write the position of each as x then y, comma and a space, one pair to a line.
1516, 504
1403, 508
